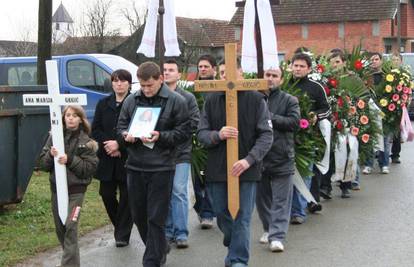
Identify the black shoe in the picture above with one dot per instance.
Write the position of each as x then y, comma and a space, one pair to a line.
163, 260
314, 207
345, 193
120, 244
325, 193
181, 243
396, 160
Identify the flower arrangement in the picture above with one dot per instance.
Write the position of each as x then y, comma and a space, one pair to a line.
393, 94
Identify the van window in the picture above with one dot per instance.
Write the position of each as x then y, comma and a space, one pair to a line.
18, 74
86, 74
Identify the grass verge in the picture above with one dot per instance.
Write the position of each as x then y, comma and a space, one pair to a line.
27, 228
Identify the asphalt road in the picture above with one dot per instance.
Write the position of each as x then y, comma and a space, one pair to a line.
373, 228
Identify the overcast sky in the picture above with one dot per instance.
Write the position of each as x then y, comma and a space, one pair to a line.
18, 18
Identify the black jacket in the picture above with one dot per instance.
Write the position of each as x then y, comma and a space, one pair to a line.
184, 150
81, 164
285, 116
173, 125
255, 134
104, 129
317, 94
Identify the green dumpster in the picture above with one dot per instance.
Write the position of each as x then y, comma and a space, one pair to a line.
23, 130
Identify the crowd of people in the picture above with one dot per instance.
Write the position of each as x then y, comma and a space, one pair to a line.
144, 179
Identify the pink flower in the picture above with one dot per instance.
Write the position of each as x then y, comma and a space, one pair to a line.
391, 107
354, 131
365, 138
395, 97
399, 88
406, 90
303, 124
404, 97
361, 104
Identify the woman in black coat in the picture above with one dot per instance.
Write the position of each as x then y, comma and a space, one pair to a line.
112, 156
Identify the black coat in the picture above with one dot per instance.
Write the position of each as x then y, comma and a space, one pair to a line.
255, 134
104, 129
285, 116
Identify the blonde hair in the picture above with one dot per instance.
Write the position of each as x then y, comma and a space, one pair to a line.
84, 124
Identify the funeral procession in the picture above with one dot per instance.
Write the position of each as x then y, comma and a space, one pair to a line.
208, 133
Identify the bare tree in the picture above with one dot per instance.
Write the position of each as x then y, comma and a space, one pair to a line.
97, 24
44, 47
134, 15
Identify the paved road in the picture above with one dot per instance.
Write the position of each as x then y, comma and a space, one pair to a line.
373, 228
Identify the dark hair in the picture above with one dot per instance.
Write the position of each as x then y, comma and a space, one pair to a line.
301, 50
173, 61
302, 56
337, 54
148, 70
336, 50
238, 62
376, 54
208, 58
122, 75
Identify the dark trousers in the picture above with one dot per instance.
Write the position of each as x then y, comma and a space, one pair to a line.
396, 147
202, 203
326, 182
316, 183
118, 210
149, 198
68, 233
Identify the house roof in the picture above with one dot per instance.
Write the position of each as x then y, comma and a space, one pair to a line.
317, 11
204, 32
61, 15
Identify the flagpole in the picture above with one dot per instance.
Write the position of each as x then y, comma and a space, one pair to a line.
161, 48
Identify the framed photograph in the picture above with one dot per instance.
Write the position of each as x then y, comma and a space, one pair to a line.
143, 121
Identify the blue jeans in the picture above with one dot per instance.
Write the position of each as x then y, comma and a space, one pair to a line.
177, 222
383, 156
236, 232
299, 203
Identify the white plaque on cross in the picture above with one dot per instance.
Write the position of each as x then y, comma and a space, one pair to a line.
55, 100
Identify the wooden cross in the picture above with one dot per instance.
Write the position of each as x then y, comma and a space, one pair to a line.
231, 86
55, 100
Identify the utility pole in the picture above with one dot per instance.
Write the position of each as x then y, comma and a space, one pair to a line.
44, 39
161, 48
399, 26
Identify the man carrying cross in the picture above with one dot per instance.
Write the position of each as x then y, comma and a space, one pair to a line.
254, 135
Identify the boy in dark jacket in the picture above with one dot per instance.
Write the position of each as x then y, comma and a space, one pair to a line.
274, 192
151, 160
81, 162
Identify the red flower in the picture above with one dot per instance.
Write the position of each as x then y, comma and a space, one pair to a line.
358, 65
340, 102
336, 115
339, 125
327, 90
320, 68
333, 82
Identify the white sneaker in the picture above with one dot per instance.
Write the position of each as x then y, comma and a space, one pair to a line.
385, 170
276, 246
367, 170
265, 238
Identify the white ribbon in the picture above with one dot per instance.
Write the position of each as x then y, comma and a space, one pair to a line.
147, 46
346, 163
302, 188
378, 120
268, 37
325, 128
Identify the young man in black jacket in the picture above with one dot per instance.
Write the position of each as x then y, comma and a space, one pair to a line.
151, 161
301, 67
274, 192
177, 222
255, 138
